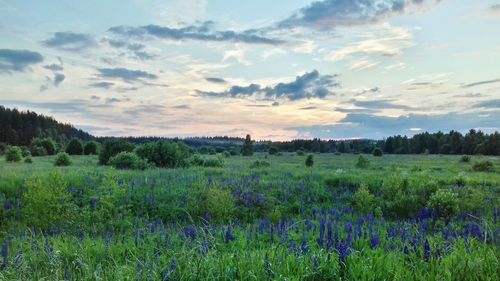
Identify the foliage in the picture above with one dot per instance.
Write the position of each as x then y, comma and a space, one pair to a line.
13, 154
48, 145
465, 159
90, 148
218, 204
444, 202
273, 150
74, 147
165, 154
259, 164
197, 160
112, 147
309, 160
38, 150
28, 159
483, 166
362, 162
247, 149
47, 203
127, 160
62, 159
377, 152
363, 200
300, 152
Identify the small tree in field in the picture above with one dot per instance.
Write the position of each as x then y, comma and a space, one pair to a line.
377, 152
75, 147
13, 154
247, 149
310, 162
90, 148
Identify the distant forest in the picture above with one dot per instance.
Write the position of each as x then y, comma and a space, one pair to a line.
20, 127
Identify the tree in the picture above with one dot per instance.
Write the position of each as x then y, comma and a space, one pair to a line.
112, 147
309, 160
13, 154
90, 148
165, 154
74, 147
247, 149
273, 150
377, 152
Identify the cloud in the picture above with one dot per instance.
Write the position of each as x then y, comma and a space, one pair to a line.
125, 74
356, 125
18, 60
103, 85
495, 104
328, 14
58, 78
216, 80
53, 67
306, 86
379, 104
137, 49
481, 83
70, 41
182, 106
200, 32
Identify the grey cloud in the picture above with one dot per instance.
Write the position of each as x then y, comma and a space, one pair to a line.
125, 74
201, 32
308, 108
378, 127
70, 41
495, 104
137, 49
58, 78
18, 60
481, 83
216, 80
379, 104
182, 106
309, 85
54, 67
327, 14
103, 85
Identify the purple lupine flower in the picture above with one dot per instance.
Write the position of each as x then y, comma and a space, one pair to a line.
7, 205
190, 232
303, 245
229, 235
5, 252
329, 236
374, 241
427, 250
343, 250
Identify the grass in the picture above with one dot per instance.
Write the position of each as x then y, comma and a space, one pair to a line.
281, 222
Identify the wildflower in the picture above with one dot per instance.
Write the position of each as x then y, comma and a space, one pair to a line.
343, 252
427, 250
5, 252
374, 241
229, 235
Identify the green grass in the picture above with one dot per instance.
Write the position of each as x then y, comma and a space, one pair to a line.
92, 222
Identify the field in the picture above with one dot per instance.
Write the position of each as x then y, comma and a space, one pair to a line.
413, 217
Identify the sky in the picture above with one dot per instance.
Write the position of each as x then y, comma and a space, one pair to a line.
278, 70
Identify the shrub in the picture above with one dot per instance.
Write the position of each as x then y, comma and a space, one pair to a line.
25, 152
377, 152
483, 166
214, 162
90, 148
28, 159
48, 145
465, 159
62, 159
74, 147
273, 150
47, 203
38, 150
309, 160
13, 154
363, 200
362, 162
259, 164
112, 147
165, 154
218, 203
444, 202
127, 160
247, 149
300, 152
227, 154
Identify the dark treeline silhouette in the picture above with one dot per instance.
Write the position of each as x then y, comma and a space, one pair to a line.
20, 127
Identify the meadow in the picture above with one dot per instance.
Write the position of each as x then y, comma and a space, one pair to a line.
263, 217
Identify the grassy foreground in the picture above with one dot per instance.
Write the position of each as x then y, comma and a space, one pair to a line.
415, 217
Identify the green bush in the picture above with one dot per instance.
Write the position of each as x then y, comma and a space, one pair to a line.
362, 162
259, 164
90, 148
309, 160
218, 203
483, 166
127, 160
48, 145
112, 147
47, 203
300, 152
444, 202
62, 159
363, 200
28, 159
377, 152
165, 154
273, 150
217, 162
25, 152
13, 154
74, 147
465, 159
37, 150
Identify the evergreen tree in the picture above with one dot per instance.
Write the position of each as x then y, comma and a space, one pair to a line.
247, 149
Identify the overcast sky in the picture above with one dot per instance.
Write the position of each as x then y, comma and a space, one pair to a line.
279, 69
